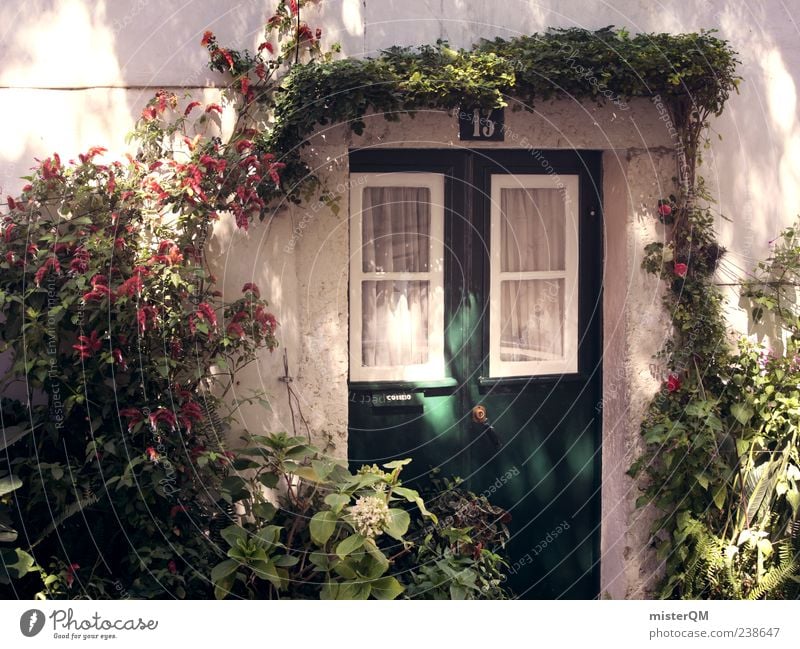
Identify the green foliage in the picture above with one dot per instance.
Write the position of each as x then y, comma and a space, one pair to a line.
126, 350
691, 74
723, 454
321, 531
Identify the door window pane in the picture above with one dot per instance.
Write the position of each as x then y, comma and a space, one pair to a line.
397, 278
394, 323
532, 313
396, 229
532, 226
533, 293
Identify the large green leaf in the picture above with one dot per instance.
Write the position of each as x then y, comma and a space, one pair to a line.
399, 520
322, 526
233, 534
222, 570
349, 545
337, 501
386, 588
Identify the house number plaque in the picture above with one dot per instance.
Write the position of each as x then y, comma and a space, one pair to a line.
481, 124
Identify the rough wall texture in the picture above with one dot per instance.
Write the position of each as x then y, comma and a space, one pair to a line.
75, 73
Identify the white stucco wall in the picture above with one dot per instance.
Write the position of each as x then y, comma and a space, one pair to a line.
76, 73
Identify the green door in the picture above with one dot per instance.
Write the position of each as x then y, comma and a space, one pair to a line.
475, 289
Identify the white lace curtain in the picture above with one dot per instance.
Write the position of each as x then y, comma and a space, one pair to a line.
532, 239
396, 226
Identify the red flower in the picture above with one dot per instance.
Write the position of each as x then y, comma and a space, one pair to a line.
252, 288
245, 86
97, 293
172, 566
208, 37
143, 315
70, 576
116, 353
162, 414
149, 113
191, 107
87, 346
12, 205
214, 107
266, 320
152, 454
266, 46
680, 269
133, 415
225, 54
80, 261
318, 33
8, 231
293, 6
205, 312
235, 329
131, 287
190, 412
10, 260
91, 153
673, 383
664, 209
177, 509
304, 33
50, 263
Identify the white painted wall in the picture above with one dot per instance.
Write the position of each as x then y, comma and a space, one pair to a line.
76, 73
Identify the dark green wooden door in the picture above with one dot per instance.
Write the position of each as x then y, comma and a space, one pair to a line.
509, 296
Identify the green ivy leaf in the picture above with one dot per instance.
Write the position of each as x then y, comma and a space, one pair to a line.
742, 412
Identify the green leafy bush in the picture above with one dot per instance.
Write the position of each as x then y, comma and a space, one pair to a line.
723, 455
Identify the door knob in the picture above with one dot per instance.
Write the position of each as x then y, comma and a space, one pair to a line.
481, 417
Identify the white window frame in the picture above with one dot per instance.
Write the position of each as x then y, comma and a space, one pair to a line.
569, 363
434, 369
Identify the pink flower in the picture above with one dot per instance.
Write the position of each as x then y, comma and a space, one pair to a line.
673, 383
152, 454
680, 269
172, 566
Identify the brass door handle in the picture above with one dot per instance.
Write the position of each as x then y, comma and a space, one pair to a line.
479, 414
481, 417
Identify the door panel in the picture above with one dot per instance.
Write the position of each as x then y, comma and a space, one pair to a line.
540, 457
